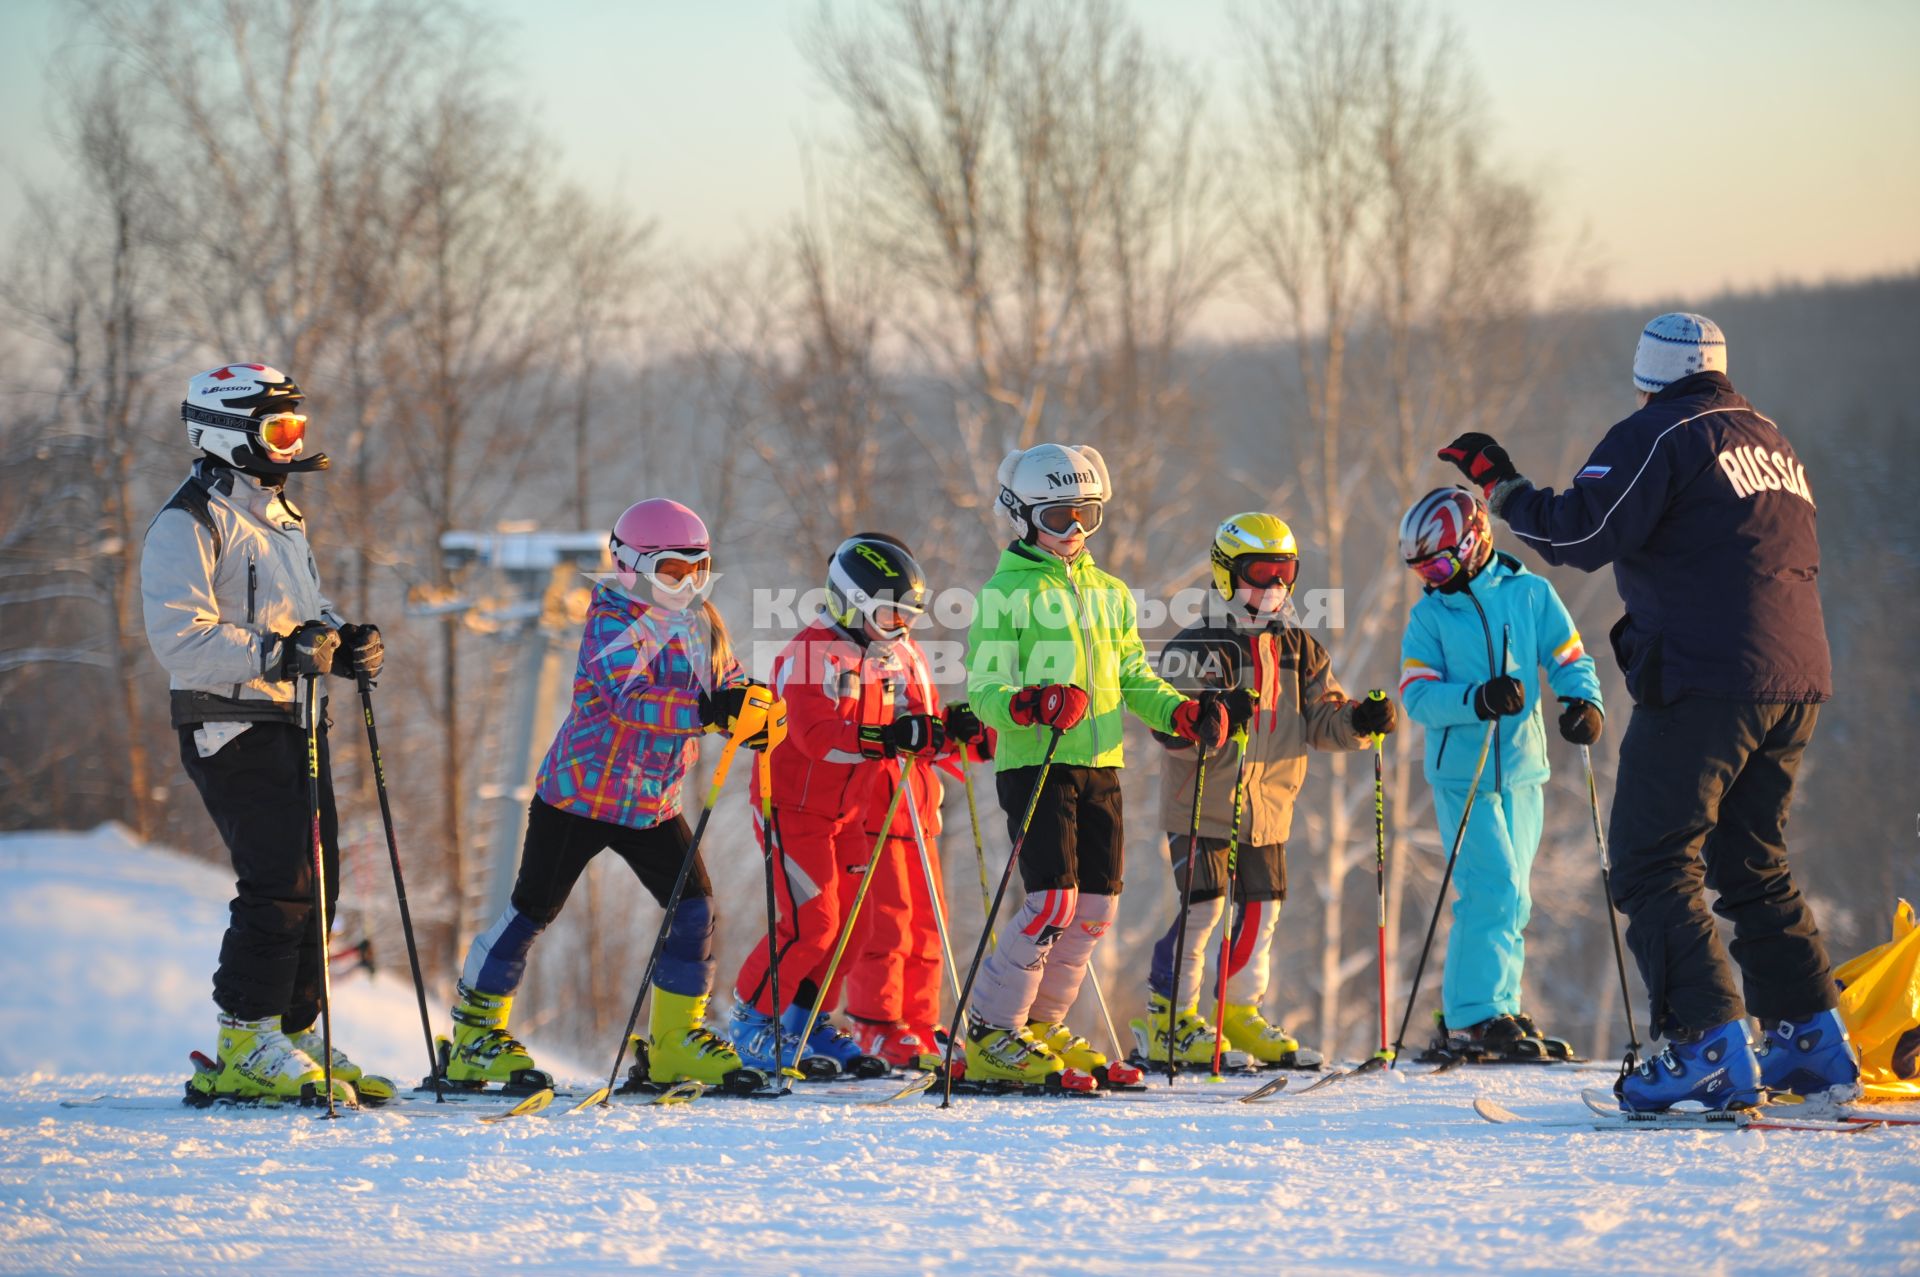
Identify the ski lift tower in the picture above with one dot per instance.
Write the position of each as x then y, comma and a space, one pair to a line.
527, 589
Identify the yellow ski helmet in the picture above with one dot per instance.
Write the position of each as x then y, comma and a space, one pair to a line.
1251, 538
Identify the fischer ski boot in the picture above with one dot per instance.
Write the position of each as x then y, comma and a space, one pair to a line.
1247, 1030
255, 1062
1008, 1055
894, 1041
482, 1051
371, 1088
1072, 1050
1812, 1058
680, 1046
1717, 1069
1192, 1035
1556, 1048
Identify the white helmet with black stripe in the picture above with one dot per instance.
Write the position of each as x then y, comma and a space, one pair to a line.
248, 415
1052, 475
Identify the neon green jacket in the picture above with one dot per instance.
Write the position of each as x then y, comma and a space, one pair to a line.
1039, 620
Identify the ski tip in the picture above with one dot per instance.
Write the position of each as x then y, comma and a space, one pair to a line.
531, 1104
599, 1097
1496, 1113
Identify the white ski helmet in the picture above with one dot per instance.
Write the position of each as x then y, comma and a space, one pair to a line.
243, 414
1047, 475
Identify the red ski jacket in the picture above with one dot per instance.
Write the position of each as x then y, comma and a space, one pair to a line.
820, 769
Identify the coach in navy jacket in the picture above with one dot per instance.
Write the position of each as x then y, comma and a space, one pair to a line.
1707, 516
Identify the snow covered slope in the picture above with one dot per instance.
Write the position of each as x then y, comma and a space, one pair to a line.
1390, 1174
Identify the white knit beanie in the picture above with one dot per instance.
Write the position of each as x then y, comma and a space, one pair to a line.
1677, 345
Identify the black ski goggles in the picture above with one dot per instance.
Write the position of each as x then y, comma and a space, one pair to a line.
1060, 517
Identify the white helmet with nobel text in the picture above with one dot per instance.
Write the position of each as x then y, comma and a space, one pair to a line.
248, 415
1053, 483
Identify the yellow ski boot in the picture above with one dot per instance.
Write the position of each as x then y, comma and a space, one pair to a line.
1192, 1035
370, 1087
681, 1048
1073, 1050
256, 1062
1247, 1030
482, 1051
1008, 1055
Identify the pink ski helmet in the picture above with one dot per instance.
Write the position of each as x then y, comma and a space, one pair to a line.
653, 532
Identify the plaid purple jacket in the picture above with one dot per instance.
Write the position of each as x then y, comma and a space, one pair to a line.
634, 729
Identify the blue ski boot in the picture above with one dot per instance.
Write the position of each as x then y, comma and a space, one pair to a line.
1811, 1057
1717, 1069
829, 1041
752, 1033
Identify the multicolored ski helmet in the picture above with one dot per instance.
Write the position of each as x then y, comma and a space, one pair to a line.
1446, 537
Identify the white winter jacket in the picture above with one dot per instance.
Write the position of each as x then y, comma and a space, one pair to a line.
226, 572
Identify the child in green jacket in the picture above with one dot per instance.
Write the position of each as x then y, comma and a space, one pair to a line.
1055, 647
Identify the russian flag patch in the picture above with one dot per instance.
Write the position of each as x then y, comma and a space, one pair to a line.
1593, 472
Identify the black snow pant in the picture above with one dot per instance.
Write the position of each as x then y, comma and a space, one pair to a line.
1701, 801
1077, 838
255, 788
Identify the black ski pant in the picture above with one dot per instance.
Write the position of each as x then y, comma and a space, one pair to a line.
1701, 801
255, 788
1078, 835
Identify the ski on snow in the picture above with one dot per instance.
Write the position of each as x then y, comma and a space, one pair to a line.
1604, 1114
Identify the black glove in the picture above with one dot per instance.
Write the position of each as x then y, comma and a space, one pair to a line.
720, 707
366, 650
964, 725
1240, 704
1481, 460
916, 734
876, 740
1580, 721
308, 651
1373, 717
1498, 698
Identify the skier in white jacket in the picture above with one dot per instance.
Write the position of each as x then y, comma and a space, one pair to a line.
236, 615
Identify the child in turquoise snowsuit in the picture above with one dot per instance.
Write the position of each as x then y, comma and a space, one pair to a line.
1451, 663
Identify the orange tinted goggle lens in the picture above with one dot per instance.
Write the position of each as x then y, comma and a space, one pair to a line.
1262, 574
283, 431
677, 570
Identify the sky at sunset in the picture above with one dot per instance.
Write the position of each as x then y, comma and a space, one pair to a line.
1699, 146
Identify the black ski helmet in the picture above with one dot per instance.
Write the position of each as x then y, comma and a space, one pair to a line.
868, 571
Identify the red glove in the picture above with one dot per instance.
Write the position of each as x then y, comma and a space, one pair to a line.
1060, 705
1202, 721
1480, 459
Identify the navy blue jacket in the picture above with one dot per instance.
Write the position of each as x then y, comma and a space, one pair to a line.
1707, 517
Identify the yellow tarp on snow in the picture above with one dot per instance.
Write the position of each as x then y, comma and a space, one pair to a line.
1880, 1001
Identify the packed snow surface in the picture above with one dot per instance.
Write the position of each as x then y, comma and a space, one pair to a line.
103, 985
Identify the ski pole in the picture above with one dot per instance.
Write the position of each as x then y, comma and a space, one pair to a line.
1186, 902
1459, 837
993, 909
319, 886
1113, 1034
749, 722
1613, 918
853, 914
933, 887
1226, 924
1385, 1053
399, 883
979, 847
770, 826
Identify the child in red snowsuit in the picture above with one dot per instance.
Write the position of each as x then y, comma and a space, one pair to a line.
860, 705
